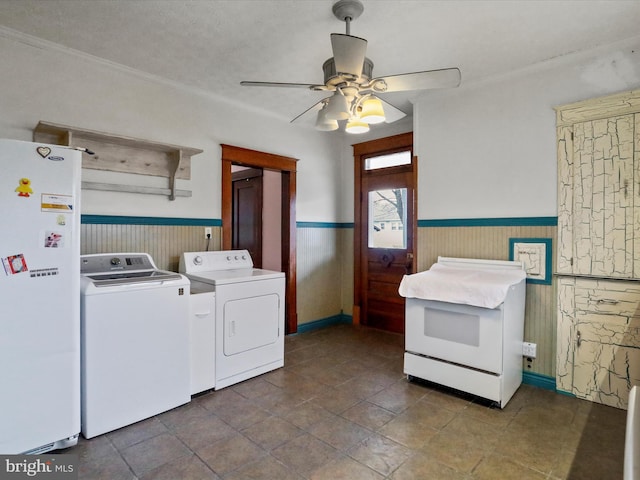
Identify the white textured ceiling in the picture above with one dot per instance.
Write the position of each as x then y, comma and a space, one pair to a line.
214, 44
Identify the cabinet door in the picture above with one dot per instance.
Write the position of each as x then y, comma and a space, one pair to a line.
603, 197
607, 340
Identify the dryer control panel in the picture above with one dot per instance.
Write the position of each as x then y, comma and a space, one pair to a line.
194, 262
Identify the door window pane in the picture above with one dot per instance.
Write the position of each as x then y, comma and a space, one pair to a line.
389, 160
387, 217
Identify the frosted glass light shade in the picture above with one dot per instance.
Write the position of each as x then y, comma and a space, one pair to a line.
372, 111
337, 108
323, 123
355, 125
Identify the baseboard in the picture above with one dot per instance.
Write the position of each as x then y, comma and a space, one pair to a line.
325, 322
538, 380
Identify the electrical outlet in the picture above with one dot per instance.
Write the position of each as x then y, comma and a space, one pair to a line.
207, 232
529, 349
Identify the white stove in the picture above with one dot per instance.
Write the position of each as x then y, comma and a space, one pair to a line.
249, 308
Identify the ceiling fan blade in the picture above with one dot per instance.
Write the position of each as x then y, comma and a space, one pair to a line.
445, 78
314, 108
348, 53
391, 113
280, 84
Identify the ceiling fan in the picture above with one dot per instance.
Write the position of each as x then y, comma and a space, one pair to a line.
349, 75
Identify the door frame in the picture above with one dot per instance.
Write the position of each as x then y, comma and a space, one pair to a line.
360, 152
287, 167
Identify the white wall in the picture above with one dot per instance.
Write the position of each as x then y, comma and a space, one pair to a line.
487, 149
43, 82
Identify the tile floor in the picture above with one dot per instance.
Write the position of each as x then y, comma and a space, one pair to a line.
341, 409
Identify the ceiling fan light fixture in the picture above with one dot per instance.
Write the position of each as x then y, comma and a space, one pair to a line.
355, 125
337, 108
372, 111
323, 123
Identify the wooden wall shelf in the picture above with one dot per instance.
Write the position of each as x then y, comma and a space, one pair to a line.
118, 153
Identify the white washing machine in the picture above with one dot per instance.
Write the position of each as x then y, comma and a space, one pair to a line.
134, 340
249, 312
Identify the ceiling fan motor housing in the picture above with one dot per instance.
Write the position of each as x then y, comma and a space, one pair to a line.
333, 78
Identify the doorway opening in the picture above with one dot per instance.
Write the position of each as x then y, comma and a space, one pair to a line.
245, 204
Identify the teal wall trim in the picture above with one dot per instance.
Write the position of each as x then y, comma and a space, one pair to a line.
325, 322
538, 380
491, 222
123, 220
323, 225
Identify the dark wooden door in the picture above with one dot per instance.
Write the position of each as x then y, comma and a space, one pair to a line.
385, 224
247, 213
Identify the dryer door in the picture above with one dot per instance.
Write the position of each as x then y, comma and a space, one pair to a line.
250, 322
249, 329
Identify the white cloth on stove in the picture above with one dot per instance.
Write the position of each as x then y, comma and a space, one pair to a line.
486, 288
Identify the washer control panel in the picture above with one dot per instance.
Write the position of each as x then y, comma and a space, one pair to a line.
115, 262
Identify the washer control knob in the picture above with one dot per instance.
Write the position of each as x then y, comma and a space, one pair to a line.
236, 257
197, 260
228, 258
244, 257
115, 261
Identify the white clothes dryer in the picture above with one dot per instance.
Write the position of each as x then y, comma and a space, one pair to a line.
249, 313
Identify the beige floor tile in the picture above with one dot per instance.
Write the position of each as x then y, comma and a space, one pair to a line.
458, 452
405, 430
497, 467
344, 468
305, 454
185, 468
272, 432
153, 453
398, 396
369, 415
380, 453
230, 454
308, 414
267, 468
137, 432
339, 432
422, 467
199, 434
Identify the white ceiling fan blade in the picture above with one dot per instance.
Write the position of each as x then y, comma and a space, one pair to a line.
391, 113
279, 84
445, 78
348, 53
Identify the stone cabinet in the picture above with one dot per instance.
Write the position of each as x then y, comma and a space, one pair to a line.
598, 255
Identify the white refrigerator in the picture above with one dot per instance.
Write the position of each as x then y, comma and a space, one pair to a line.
39, 297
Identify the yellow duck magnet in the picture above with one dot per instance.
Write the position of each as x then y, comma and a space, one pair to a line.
24, 188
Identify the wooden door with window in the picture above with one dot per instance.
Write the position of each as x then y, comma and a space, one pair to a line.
385, 229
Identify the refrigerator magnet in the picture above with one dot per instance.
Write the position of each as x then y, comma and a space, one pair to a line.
56, 203
24, 187
14, 264
53, 240
43, 151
